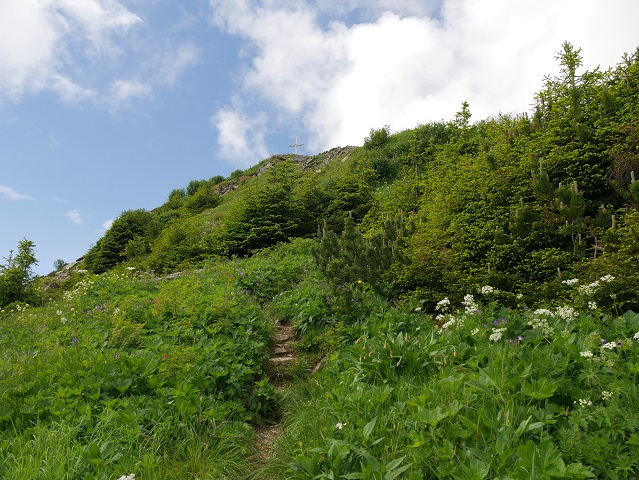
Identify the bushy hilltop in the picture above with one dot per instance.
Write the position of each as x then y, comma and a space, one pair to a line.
521, 203
462, 295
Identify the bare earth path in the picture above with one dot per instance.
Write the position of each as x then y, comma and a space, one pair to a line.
282, 357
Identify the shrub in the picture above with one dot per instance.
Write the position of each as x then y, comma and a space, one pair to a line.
16, 275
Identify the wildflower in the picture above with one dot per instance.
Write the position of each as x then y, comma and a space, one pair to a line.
571, 281
583, 402
130, 268
443, 305
475, 331
418, 309
589, 289
449, 323
636, 336
469, 304
496, 322
74, 341
567, 314
58, 313
496, 335
592, 305
607, 278
586, 354
609, 345
487, 290
339, 425
607, 395
130, 476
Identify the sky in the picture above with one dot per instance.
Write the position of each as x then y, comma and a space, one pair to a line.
109, 105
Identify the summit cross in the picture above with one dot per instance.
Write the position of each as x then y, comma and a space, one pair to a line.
295, 145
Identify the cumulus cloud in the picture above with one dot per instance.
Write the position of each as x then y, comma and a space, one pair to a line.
95, 51
11, 194
409, 64
106, 225
74, 216
241, 137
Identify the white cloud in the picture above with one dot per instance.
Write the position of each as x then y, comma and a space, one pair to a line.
106, 225
11, 194
241, 137
96, 51
172, 63
123, 91
410, 64
74, 216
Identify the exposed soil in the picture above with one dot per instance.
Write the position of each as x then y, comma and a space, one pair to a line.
282, 358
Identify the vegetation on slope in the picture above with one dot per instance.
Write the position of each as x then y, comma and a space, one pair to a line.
467, 301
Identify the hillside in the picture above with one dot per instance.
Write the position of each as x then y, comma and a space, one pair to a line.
462, 296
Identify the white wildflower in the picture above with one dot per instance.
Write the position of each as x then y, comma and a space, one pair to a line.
474, 331
443, 305
58, 313
586, 354
339, 425
592, 305
469, 304
607, 278
583, 402
543, 311
589, 289
487, 290
636, 336
130, 476
609, 345
497, 334
567, 314
571, 281
449, 323
607, 395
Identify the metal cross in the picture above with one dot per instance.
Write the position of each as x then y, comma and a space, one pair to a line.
295, 145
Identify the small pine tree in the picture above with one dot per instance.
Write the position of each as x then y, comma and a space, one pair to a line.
16, 276
349, 260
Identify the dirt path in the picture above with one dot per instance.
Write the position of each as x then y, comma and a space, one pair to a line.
282, 358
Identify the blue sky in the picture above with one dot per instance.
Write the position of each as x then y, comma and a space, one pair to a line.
108, 105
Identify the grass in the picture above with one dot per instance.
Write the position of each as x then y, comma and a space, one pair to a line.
122, 373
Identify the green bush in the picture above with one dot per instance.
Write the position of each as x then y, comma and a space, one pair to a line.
16, 275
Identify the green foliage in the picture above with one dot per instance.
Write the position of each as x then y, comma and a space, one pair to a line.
16, 275
125, 373
202, 198
350, 262
266, 214
180, 242
130, 226
490, 393
378, 138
